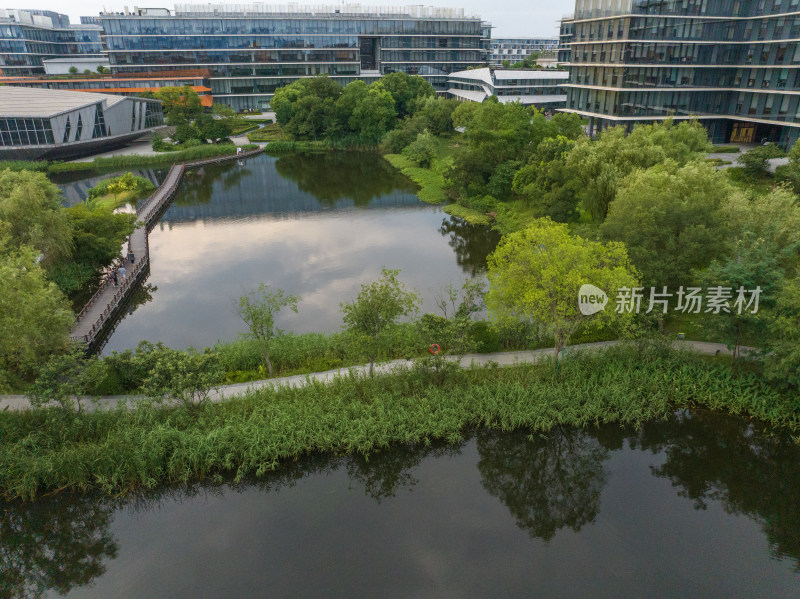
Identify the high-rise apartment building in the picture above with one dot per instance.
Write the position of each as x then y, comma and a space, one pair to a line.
29, 36
515, 50
251, 50
732, 64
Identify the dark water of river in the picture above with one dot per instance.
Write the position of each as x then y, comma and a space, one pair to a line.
316, 225
698, 506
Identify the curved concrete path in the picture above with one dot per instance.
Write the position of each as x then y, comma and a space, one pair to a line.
224, 392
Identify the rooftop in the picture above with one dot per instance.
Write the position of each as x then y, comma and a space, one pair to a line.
259, 9
499, 75
26, 102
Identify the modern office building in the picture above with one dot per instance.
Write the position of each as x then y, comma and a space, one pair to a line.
128, 84
54, 124
515, 50
734, 65
29, 36
541, 88
564, 51
251, 50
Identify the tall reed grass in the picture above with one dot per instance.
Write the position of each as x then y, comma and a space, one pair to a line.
116, 451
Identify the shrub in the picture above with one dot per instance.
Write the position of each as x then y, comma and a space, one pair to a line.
423, 150
755, 161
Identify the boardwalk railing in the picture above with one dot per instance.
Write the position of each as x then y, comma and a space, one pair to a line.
92, 318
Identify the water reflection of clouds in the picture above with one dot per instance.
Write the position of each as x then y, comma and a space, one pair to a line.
201, 267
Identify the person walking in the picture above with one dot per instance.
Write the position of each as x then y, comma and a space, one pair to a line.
122, 272
130, 255
114, 277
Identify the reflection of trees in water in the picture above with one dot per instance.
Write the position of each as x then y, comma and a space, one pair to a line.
197, 185
548, 482
56, 543
471, 243
333, 176
726, 459
386, 472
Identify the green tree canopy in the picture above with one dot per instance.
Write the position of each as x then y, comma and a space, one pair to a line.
373, 315
35, 319
408, 91
602, 163
306, 108
30, 205
668, 218
535, 275
181, 105
258, 309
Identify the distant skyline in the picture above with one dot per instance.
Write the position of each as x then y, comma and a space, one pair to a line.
510, 18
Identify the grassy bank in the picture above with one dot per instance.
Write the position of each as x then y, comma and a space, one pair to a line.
123, 162
117, 451
270, 132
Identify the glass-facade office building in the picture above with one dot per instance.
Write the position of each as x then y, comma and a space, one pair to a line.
734, 65
251, 50
516, 49
29, 36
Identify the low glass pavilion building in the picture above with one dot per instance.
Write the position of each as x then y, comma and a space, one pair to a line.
56, 124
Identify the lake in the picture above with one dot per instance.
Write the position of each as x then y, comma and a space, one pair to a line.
700, 505
314, 225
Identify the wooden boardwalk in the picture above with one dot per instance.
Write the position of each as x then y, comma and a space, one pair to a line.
93, 319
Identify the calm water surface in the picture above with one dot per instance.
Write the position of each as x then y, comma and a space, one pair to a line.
699, 506
317, 226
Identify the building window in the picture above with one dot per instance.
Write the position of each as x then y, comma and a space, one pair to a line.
67, 130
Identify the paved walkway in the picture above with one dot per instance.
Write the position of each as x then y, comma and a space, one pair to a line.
225, 392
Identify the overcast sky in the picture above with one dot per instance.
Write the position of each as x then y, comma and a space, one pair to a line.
511, 18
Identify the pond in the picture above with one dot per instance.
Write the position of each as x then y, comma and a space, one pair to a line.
314, 225
697, 506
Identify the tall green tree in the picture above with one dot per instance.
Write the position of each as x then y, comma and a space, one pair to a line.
30, 205
306, 108
601, 164
668, 217
181, 105
535, 276
258, 309
35, 318
374, 114
373, 315
408, 91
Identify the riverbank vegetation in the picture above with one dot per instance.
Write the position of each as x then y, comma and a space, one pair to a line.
121, 450
118, 191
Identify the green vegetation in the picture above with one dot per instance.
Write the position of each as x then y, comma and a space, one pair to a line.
271, 132
371, 318
258, 308
535, 276
431, 183
117, 191
121, 450
193, 125
755, 161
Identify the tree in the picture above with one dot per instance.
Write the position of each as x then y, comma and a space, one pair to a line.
34, 315
374, 313
374, 114
65, 378
599, 165
101, 69
546, 184
535, 275
668, 218
782, 363
408, 91
189, 376
568, 124
30, 205
437, 114
423, 150
755, 161
306, 108
181, 105
258, 309
73, 70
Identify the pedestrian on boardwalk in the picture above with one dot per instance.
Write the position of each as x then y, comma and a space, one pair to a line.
114, 277
122, 272
130, 255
